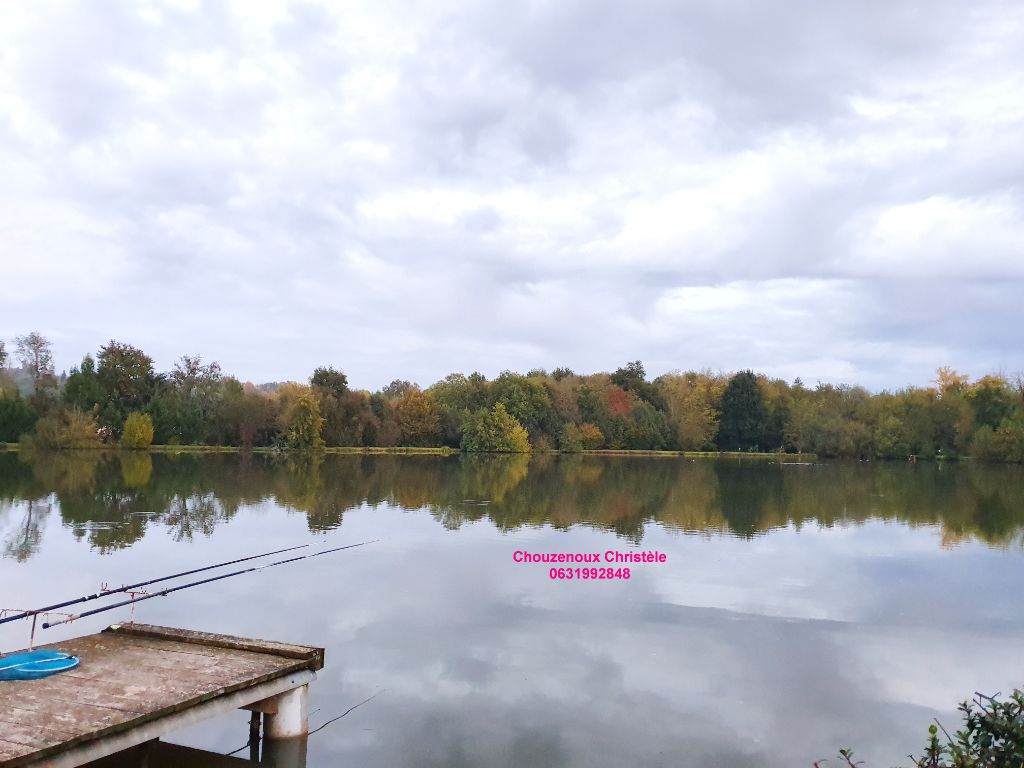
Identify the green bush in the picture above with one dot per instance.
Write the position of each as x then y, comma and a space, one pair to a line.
138, 431
992, 736
495, 431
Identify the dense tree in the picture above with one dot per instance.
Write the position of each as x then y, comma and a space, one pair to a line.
16, 416
742, 422
527, 401
330, 381
82, 389
495, 431
991, 400
417, 418
457, 396
186, 403
305, 424
128, 381
690, 401
195, 403
346, 413
3, 355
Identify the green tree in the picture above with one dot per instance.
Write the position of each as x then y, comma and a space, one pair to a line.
527, 401
991, 400
329, 380
126, 375
184, 404
305, 424
495, 431
16, 416
570, 441
457, 396
648, 428
742, 422
82, 390
137, 432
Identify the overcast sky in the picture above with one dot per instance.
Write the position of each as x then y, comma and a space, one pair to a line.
831, 190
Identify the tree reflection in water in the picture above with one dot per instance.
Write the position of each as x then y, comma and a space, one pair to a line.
110, 500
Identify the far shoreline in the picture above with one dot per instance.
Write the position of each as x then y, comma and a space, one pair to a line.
428, 451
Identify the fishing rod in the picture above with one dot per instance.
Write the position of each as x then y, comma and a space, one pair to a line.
105, 592
165, 592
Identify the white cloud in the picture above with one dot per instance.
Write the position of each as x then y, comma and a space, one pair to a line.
459, 183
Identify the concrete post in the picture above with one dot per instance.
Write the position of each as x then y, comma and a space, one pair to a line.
292, 716
285, 753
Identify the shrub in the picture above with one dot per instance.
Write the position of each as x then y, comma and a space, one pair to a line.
992, 736
65, 428
138, 431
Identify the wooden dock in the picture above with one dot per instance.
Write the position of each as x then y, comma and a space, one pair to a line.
138, 682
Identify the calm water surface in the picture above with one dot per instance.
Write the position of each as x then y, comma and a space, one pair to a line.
801, 608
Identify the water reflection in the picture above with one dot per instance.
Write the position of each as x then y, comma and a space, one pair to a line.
805, 608
111, 500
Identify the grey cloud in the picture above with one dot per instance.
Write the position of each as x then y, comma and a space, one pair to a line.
487, 187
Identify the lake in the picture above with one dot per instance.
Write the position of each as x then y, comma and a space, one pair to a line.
799, 608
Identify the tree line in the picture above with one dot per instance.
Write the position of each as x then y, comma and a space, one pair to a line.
118, 397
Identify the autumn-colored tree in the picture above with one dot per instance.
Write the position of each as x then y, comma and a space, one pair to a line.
691, 398
591, 437
417, 418
949, 381
66, 428
305, 424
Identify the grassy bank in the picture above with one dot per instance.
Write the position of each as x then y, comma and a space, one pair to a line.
442, 451
446, 451
774, 456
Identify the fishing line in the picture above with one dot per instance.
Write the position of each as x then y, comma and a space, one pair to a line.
164, 592
105, 592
